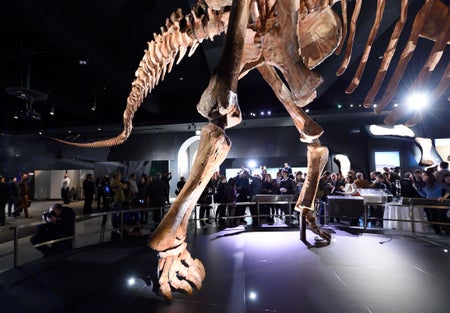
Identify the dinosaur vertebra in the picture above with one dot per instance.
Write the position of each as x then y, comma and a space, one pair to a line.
293, 37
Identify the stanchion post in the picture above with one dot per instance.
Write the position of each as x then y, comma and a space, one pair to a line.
16, 246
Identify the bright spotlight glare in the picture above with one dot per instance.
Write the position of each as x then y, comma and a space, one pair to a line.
445, 250
131, 281
252, 295
252, 164
417, 101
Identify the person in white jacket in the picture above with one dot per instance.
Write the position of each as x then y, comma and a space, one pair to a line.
349, 189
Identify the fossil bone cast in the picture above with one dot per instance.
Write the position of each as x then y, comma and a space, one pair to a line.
277, 37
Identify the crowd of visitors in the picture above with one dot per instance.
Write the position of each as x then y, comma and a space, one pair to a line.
152, 191
238, 193
430, 183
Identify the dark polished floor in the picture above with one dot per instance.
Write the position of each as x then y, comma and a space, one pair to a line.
248, 270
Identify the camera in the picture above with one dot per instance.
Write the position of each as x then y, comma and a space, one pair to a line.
47, 216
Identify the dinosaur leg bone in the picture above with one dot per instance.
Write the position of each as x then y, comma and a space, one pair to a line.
213, 149
317, 159
219, 104
168, 238
309, 130
219, 101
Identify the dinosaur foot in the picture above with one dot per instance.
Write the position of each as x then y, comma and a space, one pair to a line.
179, 271
311, 220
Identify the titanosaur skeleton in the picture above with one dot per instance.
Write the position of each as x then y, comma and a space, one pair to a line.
292, 37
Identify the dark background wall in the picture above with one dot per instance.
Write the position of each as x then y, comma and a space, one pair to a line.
269, 146
344, 134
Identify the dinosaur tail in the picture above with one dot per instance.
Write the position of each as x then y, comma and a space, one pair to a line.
180, 33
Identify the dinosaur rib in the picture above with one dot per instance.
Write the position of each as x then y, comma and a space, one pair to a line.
406, 55
365, 56
180, 32
387, 57
351, 38
344, 26
435, 55
443, 84
433, 59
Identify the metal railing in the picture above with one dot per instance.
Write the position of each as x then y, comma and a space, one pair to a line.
102, 230
410, 203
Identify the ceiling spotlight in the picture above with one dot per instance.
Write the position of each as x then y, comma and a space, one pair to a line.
52, 110
94, 106
417, 101
16, 115
82, 62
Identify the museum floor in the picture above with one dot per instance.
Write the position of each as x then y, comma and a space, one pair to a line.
248, 270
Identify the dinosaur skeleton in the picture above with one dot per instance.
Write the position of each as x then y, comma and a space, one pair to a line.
292, 37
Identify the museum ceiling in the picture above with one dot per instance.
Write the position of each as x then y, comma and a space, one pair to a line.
72, 56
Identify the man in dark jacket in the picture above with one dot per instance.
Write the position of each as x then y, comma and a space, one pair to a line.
89, 192
13, 190
158, 194
255, 189
60, 223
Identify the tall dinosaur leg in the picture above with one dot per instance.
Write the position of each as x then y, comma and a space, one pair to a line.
168, 238
317, 156
219, 104
317, 159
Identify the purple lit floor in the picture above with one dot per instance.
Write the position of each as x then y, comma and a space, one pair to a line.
247, 271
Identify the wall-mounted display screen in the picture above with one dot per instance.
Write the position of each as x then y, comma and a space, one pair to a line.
390, 159
442, 146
